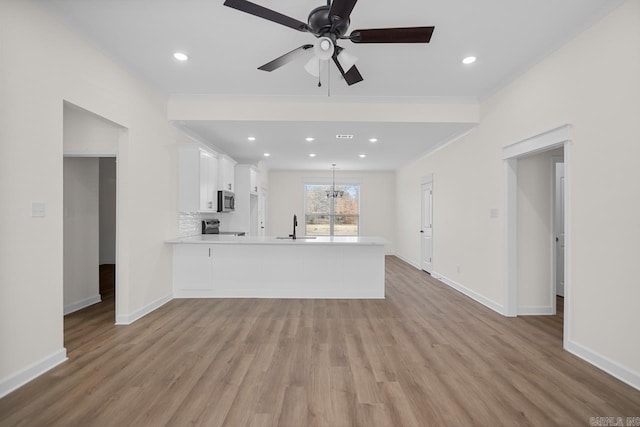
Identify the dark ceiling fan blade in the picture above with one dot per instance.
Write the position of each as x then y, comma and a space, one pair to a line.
268, 14
393, 35
342, 8
352, 76
286, 58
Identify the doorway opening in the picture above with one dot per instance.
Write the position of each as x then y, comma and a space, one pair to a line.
92, 289
89, 242
558, 225
517, 156
107, 230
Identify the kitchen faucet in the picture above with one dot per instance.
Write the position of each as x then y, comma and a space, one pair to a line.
295, 224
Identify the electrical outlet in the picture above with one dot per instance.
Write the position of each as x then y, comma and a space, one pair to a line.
458, 268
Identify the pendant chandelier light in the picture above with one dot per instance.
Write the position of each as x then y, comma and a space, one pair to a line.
333, 193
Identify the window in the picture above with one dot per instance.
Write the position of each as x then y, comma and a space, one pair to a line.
329, 216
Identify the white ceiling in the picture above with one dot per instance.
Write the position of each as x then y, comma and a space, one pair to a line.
226, 47
288, 148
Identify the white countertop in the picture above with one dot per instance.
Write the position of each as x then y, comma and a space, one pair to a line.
216, 239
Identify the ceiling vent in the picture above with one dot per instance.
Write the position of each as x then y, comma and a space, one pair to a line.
344, 136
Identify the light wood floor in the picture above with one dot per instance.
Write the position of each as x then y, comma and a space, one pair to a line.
425, 356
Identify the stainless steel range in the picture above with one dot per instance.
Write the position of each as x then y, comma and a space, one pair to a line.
212, 226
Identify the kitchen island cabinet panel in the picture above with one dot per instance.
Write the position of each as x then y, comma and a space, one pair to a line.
192, 268
244, 267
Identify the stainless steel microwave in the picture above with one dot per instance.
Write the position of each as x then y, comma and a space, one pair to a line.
226, 201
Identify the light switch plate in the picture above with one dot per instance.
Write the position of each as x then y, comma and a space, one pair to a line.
38, 209
493, 213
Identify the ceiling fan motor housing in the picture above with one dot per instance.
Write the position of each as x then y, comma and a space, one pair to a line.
321, 23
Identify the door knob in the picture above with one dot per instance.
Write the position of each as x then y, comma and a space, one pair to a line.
422, 231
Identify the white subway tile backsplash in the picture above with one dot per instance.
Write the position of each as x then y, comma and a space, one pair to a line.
191, 223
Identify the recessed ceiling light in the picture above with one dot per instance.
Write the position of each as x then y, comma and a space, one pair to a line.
252, 138
343, 136
362, 156
267, 154
309, 139
312, 154
373, 140
469, 60
180, 56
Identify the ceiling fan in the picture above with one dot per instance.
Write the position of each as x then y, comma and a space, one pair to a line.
329, 24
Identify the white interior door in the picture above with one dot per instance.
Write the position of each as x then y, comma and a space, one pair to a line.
426, 230
559, 227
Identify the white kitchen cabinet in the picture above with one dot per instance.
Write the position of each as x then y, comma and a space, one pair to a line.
226, 174
254, 183
208, 182
245, 216
192, 269
267, 267
198, 176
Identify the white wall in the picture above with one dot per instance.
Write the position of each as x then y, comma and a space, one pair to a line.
377, 196
467, 245
592, 84
43, 64
85, 132
81, 275
107, 215
535, 233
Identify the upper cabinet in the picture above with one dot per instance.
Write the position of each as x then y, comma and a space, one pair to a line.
245, 217
254, 181
198, 176
226, 173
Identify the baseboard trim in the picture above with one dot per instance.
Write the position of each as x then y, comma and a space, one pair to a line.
31, 372
138, 314
470, 293
411, 263
79, 305
535, 311
602, 362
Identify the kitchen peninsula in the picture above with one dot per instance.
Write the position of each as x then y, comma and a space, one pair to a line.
217, 266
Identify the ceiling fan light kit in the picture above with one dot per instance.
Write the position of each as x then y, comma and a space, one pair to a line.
324, 48
346, 60
329, 24
313, 67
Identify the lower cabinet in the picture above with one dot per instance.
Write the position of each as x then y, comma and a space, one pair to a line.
192, 269
278, 270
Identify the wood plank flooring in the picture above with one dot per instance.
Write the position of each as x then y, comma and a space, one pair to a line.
425, 356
